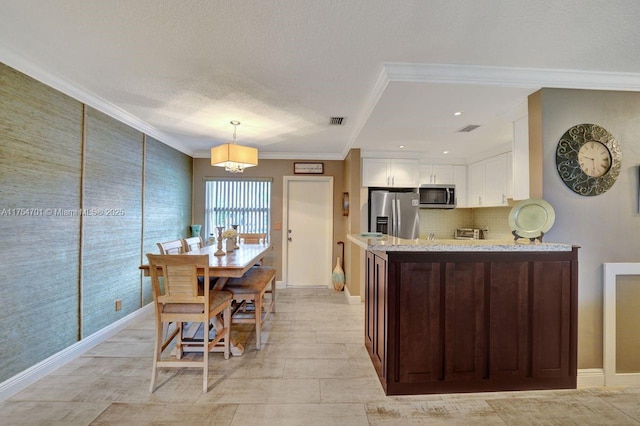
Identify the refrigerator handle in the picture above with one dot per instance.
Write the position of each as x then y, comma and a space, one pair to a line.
394, 226
399, 218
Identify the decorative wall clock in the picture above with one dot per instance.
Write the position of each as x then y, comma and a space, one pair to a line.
588, 159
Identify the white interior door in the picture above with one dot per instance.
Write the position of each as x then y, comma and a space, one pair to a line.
308, 233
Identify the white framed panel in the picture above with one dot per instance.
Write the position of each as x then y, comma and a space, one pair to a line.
611, 377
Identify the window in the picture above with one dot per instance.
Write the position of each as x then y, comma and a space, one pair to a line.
245, 202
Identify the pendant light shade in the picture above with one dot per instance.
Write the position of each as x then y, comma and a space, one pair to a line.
233, 157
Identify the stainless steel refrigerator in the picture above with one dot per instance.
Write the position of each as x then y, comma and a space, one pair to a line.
394, 213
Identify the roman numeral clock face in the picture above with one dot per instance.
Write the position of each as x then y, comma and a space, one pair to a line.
594, 159
588, 159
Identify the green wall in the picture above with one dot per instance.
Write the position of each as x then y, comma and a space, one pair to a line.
113, 182
40, 165
61, 271
167, 200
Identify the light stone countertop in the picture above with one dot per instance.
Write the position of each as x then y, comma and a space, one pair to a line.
387, 243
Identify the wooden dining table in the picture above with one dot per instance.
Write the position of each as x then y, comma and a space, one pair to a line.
230, 265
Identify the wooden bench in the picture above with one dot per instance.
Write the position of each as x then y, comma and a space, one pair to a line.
251, 288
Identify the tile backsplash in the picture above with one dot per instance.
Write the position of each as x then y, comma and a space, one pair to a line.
495, 219
443, 222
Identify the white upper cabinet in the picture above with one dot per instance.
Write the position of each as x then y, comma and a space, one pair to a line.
446, 174
521, 159
375, 172
510, 183
405, 173
436, 173
475, 189
489, 181
495, 181
398, 173
460, 181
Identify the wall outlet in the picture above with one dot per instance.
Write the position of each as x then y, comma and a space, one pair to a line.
118, 304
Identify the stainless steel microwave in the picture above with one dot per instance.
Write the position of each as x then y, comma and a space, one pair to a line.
437, 196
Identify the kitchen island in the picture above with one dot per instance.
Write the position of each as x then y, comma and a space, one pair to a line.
449, 316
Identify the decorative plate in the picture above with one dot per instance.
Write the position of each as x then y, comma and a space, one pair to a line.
531, 218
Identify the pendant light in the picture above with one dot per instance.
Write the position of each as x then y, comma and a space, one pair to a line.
233, 157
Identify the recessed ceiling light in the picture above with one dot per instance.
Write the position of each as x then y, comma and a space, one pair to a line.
445, 152
457, 113
401, 146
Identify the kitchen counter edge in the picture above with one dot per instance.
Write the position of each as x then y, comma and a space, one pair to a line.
386, 243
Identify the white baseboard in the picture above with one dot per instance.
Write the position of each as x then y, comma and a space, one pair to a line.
590, 377
34, 373
280, 285
352, 300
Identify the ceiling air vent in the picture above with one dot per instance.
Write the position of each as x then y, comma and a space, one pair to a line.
469, 128
336, 121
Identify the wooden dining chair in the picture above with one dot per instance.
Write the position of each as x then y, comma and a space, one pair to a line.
182, 300
191, 244
171, 247
195, 243
253, 238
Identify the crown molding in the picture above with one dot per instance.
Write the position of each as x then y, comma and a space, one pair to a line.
284, 156
399, 154
81, 94
512, 77
327, 156
422, 157
533, 78
374, 96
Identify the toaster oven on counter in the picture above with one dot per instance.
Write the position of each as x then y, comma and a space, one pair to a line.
467, 234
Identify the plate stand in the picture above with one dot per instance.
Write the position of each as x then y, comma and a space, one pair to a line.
516, 237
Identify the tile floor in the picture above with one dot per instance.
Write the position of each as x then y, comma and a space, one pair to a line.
313, 370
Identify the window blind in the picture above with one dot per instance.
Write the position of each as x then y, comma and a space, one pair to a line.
243, 202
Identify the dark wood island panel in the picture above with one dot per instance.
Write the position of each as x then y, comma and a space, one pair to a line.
444, 322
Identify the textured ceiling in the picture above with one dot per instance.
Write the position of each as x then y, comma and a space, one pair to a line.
284, 67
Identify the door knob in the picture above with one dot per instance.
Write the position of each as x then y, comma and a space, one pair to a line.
290, 239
